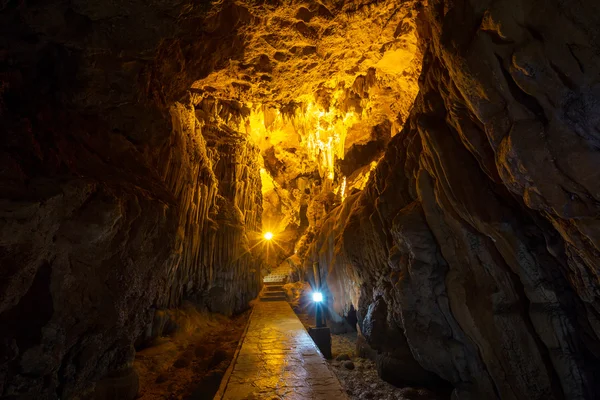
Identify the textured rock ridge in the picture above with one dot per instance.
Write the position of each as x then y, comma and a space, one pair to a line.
214, 172
476, 236
96, 257
109, 211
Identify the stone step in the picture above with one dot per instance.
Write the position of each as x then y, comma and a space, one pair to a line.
272, 288
278, 298
275, 278
274, 294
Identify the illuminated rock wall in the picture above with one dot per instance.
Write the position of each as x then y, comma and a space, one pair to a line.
115, 200
104, 254
214, 173
314, 80
473, 249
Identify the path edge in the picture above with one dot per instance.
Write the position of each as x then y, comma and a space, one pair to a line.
225, 381
329, 366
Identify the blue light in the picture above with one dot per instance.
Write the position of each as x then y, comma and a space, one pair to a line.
317, 297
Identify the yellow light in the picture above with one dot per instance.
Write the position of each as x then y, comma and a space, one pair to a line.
268, 235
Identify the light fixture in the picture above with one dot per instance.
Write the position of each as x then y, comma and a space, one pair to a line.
317, 297
268, 235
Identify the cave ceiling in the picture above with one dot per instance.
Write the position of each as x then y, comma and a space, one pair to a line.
320, 88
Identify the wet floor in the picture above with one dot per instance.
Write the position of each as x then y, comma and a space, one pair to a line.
279, 360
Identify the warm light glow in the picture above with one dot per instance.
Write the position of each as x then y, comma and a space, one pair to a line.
317, 297
343, 189
321, 133
268, 235
326, 139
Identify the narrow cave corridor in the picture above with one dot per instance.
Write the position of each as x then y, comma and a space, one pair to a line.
183, 184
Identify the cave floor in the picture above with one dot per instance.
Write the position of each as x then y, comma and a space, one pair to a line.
279, 360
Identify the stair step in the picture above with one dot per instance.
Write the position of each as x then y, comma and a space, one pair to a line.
274, 294
279, 298
276, 277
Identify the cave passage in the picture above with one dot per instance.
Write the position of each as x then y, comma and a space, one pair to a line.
177, 178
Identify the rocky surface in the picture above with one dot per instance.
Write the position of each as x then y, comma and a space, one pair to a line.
116, 199
361, 382
191, 360
357, 373
140, 139
474, 247
308, 100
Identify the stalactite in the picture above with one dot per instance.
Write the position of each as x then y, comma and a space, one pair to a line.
214, 176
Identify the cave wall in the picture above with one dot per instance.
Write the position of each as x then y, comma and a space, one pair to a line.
115, 199
474, 248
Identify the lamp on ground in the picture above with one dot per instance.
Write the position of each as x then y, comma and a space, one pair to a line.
320, 334
317, 297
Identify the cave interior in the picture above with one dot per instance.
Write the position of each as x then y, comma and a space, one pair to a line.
438, 160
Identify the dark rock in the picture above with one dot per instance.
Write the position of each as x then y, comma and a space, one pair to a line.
305, 29
201, 351
467, 231
348, 365
219, 356
96, 236
119, 385
342, 357
263, 63
323, 11
182, 362
303, 14
280, 56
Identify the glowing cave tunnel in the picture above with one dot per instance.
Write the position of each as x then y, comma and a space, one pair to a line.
340, 199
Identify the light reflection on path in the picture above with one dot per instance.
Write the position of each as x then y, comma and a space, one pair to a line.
279, 360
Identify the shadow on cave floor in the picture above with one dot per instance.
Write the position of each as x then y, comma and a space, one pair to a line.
190, 364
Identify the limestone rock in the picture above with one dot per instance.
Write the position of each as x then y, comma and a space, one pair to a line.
109, 212
478, 228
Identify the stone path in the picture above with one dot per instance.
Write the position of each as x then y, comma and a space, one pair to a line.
279, 360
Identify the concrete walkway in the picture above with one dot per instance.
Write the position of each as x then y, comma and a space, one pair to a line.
279, 360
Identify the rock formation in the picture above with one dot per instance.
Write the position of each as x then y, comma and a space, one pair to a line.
439, 160
109, 212
473, 246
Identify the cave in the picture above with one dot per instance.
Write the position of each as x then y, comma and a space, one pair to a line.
434, 165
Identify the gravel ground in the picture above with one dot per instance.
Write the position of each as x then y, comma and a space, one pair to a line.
358, 376
190, 363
